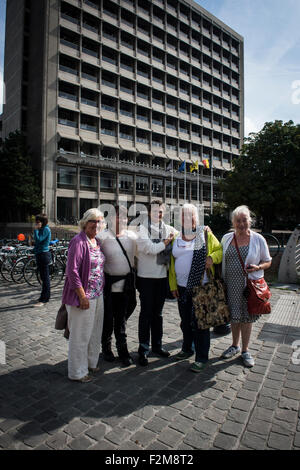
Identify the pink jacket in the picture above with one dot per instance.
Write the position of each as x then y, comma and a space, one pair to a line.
78, 268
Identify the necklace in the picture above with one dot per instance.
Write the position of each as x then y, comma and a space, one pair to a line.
93, 244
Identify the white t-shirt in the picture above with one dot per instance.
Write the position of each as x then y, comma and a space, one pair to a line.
116, 263
183, 252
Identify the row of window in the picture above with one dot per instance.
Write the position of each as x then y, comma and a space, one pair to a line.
150, 96
188, 25
107, 127
194, 40
157, 56
67, 179
138, 158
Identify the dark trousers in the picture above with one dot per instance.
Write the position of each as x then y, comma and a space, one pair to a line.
115, 321
191, 332
152, 297
43, 260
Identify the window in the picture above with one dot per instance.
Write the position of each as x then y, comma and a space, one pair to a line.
89, 97
67, 177
156, 186
107, 181
67, 118
125, 183
89, 123
88, 180
142, 185
169, 192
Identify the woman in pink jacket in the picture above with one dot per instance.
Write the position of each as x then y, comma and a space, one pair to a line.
83, 297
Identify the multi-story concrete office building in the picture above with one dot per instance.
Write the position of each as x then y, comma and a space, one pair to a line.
114, 93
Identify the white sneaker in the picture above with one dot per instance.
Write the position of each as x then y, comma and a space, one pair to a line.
39, 304
231, 351
247, 359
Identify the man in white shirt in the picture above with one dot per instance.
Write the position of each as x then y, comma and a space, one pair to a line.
153, 238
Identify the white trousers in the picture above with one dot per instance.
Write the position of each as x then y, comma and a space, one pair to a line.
85, 337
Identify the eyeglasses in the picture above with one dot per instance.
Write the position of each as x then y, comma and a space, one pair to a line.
95, 221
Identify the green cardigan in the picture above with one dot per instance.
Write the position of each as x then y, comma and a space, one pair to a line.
214, 249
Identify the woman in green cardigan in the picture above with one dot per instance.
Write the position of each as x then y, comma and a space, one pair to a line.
188, 269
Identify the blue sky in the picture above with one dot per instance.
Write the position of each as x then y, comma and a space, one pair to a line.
272, 55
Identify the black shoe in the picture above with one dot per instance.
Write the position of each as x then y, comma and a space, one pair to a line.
161, 352
143, 360
126, 361
108, 356
222, 329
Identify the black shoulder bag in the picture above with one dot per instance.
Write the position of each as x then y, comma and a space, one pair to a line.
130, 284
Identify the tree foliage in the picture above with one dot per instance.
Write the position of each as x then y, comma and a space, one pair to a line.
266, 176
20, 193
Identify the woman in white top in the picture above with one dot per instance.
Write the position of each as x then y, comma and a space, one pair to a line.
119, 297
256, 257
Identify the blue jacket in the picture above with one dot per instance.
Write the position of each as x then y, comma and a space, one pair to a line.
42, 239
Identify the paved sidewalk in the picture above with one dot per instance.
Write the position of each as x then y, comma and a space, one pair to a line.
162, 407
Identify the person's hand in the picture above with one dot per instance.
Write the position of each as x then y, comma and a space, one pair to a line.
84, 303
209, 262
169, 239
251, 268
175, 294
207, 227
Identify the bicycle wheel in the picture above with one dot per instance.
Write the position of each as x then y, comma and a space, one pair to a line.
17, 273
273, 244
56, 272
6, 269
30, 273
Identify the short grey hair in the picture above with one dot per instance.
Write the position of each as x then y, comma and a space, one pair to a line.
191, 209
90, 214
239, 211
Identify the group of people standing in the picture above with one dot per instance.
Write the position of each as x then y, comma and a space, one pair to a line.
100, 286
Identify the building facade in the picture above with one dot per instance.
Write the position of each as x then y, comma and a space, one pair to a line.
114, 95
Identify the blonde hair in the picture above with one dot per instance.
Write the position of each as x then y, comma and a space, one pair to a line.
241, 210
90, 214
191, 209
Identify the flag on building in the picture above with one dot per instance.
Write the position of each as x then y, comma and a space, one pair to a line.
206, 163
182, 167
194, 167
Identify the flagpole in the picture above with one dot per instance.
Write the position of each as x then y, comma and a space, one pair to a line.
184, 181
211, 185
198, 184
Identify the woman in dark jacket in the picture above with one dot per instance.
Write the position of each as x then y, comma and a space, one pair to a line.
42, 237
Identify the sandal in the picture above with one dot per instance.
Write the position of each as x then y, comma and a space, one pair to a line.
85, 379
94, 369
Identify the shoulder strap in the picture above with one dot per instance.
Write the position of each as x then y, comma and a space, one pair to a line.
124, 252
237, 249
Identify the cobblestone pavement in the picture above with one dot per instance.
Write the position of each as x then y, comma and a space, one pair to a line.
161, 407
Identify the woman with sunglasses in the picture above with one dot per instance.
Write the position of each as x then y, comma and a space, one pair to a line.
83, 297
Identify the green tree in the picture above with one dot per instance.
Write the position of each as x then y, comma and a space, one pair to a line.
266, 176
20, 193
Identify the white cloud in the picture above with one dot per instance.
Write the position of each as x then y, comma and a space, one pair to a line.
251, 126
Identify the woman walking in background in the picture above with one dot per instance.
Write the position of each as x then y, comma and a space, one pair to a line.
83, 297
42, 237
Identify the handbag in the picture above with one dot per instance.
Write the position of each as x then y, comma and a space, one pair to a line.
256, 292
61, 321
209, 301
